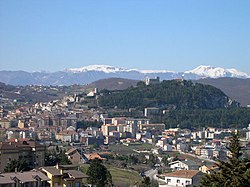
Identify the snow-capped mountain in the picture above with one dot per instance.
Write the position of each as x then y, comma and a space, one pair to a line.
103, 68
111, 69
216, 72
88, 74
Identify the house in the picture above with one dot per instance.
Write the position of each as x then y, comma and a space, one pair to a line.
28, 178
64, 176
183, 178
184, 165
208, 168
150, 81
75, 156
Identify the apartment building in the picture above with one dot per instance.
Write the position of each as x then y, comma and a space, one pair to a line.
31, 151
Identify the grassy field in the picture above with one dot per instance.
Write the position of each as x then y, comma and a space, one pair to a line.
121, 149
126, 150
120, 177
123, 177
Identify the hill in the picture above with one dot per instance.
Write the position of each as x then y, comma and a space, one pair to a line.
176, 94
235, 88
112, 84
11, 96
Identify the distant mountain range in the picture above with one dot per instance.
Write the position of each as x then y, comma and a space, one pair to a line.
88, 74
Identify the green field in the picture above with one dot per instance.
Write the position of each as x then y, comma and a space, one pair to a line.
120, 177
123, 177
126, 150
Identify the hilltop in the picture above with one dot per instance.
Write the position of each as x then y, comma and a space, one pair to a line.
112, 84
180, 94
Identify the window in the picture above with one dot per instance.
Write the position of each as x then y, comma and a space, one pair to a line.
168, 180
187, 182
178, 181
77, 184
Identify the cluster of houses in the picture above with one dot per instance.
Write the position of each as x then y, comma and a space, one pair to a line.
57, 121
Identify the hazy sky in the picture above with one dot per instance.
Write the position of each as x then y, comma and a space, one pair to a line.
175, 35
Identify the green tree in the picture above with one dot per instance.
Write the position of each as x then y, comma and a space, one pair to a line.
235, 172
53, 157
19, 165
98, 174
152, 160
165, 160
146, 182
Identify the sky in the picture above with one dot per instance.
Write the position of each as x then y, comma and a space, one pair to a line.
177, 35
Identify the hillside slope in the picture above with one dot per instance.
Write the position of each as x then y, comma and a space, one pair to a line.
178, 94
112, 84
235, 88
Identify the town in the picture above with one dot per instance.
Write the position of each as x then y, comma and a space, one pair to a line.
53, 143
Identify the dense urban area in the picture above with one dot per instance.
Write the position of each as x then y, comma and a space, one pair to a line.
155, 133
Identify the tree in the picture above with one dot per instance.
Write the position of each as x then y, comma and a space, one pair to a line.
235, 172
19, 165
146, 182
132, 159
165, 160
53, 157
98, 174
152, 160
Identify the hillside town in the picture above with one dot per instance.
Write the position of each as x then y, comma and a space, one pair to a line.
81, 133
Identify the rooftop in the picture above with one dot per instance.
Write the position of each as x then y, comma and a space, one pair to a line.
27, 176
182, 173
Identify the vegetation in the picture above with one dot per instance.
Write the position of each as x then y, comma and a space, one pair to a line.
123, 177
177, 94
220, 118
120, 177
186, 105
146, 182
98, 174
17, 165
233, 173
54, 157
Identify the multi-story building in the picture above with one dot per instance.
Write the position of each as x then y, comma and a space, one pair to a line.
32, 152
64, 175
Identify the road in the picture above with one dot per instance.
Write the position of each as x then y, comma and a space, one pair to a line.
150, 173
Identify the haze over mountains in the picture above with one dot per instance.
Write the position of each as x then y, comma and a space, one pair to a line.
88, 74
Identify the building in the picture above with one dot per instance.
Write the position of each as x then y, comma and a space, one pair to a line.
5, 123
248, 133
151, 111
33, 178
208, 168
150, 81
75, 156
64, 176
184, 165
106, 129
183, 178
31, 151
157, 126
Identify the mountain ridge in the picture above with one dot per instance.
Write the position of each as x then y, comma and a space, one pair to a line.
88, 74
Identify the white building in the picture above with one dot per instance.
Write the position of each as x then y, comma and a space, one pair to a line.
183, 178
248, 133
184, 165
